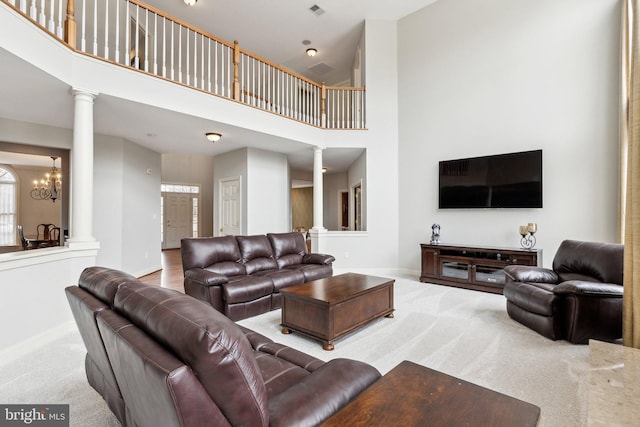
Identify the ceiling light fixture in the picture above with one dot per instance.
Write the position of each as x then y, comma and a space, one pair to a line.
312, 52
190, 2
213, 136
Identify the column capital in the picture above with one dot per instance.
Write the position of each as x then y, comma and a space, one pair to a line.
76, 91
318, 148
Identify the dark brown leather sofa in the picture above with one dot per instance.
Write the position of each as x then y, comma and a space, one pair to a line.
579, 299
241, 276
162, 358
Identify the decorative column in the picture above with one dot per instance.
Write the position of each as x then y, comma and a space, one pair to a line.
317, 190
81, 230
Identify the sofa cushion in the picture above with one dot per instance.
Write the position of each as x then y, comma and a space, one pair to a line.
206, 251
246, 288
282, 278
227, 268
212, 345
288, 248
256, 253
312, 271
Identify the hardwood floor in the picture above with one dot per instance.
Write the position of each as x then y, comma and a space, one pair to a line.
171, 275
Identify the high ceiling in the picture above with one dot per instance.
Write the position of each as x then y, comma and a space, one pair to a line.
275, 29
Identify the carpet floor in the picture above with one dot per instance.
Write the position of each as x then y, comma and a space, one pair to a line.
463, 333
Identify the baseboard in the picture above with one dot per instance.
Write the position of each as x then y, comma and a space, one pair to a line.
146, 271
36, 342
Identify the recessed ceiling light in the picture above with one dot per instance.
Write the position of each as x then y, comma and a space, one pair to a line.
213, 136
306, 42
190, 2
311, 51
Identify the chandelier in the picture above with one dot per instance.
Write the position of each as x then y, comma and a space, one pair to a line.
50, 186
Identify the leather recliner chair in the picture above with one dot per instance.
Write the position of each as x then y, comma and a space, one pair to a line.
579, 299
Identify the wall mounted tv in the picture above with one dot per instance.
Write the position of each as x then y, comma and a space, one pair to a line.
512, 180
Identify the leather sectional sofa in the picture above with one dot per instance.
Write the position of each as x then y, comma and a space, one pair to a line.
579, 299
241, 276
162, 358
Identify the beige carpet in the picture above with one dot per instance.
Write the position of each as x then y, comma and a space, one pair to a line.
463, 333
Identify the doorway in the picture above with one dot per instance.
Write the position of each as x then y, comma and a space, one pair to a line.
180, 213
230, 206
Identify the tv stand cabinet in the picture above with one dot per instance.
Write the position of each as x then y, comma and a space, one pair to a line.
470, 267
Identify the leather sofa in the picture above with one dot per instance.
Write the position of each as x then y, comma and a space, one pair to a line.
241, 276
162, 358
579, 299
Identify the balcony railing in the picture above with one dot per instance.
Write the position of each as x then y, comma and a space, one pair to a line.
135, 35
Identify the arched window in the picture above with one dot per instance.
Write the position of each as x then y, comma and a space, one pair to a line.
7, 208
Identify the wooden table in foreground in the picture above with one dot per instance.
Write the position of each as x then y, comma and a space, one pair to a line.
413, 395
329, 308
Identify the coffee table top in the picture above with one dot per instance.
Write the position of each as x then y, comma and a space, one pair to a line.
335, 289
413, 395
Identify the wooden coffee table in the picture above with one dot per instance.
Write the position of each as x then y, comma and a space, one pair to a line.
329, 308
412, 395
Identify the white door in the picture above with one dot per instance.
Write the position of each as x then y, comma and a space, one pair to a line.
230, 206
178, 216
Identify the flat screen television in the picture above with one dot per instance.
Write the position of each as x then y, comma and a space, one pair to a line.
512, 180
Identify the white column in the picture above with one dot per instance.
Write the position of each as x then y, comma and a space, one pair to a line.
317, 190
81, 230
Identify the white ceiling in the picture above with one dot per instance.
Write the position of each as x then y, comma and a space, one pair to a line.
269, 28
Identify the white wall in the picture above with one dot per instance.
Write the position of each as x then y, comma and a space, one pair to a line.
268, 192
499, 76
126, 205
193, 169
141, 245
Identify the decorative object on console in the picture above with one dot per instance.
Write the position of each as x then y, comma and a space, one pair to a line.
50, 186
527, 232
435, 234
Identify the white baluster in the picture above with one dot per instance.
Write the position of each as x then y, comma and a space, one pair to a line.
59, 32
23, 6
155, 43
164, 47
136, 61
83, 38
106, 29
127, 36
146, 40
33, 11
117, 31
180, 53
172, 72
95, 27
51, 25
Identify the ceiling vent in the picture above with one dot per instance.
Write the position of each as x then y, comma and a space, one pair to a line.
316, 10
321, 68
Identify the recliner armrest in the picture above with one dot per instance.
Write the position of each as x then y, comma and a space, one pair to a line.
199, 276
580, 287
318, 259
322, 393
524, 273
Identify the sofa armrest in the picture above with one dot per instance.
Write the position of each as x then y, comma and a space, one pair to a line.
202, 277
318, 259
597, 289
320, 394
525, 273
